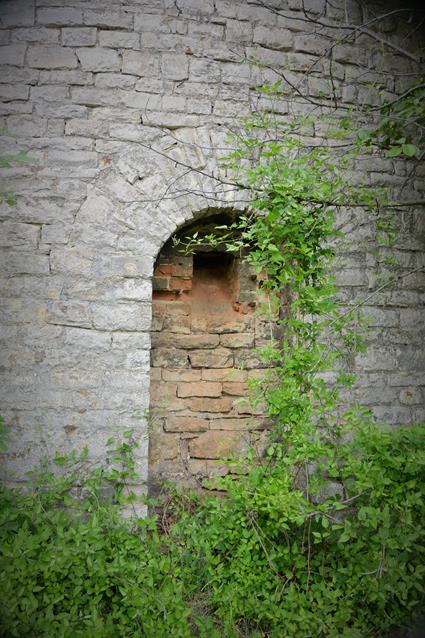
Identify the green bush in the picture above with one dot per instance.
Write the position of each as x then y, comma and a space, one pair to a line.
332, 546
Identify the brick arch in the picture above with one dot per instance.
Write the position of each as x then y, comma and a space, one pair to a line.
203, 334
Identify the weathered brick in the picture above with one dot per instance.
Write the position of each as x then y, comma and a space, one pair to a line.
164, 446
237, 424
218, 358
222, 404
220, 325
208, 468
238, 340
188, 342
169, 358
51, 57
185, 424
168, 374
161, 390
98, 59
224, 374
217, 445
199, 389
236, 389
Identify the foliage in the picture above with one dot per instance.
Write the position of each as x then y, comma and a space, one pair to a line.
400, 129
284, 554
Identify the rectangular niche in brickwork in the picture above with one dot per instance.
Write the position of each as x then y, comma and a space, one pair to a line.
204, 333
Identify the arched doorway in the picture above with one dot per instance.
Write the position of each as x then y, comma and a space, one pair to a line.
204, 334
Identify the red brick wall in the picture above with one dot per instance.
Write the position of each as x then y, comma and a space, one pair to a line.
203, 337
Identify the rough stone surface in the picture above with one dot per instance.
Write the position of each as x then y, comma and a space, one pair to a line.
113, 100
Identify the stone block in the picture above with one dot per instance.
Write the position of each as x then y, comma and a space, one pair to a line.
218, 358
10, 92
175, 67
92, 96
79, 37
26, 125
108, 18
185, 424
131, 316
36, 34
58, 17
87, 128
273, 38
140, 64
13, 54
381, 316
51, 57
204, 71
67, 159
119, 39
222, 404
236, 73
65, 77
69, 313
49, 93
99, 59
237, 31
14, 263
217, 445
14, 234
199, 389
130, 341
116, 81
17, 13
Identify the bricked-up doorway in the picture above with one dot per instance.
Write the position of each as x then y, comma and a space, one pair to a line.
204, 333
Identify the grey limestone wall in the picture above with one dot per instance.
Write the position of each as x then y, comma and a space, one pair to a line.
114, 100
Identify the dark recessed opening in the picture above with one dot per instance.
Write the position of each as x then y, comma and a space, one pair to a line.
214, 282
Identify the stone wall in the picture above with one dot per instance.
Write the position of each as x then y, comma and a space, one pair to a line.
113, 100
